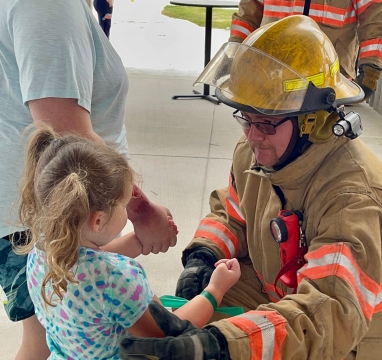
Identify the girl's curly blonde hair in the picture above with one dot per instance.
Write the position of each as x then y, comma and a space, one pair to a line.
66, 178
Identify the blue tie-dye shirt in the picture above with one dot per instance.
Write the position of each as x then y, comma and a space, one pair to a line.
111, 295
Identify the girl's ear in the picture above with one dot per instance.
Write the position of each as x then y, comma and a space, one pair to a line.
97, 220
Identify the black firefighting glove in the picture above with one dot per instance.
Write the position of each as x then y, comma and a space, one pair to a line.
198, 267
183, 340
368, 78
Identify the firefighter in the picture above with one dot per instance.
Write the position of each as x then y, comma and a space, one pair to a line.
300, 154
354, 27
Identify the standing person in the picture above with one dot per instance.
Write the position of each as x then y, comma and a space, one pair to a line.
302, 212
104, 10
61, 70
73, 201
354, 27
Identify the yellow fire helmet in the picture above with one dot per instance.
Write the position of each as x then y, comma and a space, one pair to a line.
286, 67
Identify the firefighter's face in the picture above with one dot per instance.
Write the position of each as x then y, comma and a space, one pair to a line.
268, 148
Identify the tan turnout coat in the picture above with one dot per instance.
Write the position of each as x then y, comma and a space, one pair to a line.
337, 310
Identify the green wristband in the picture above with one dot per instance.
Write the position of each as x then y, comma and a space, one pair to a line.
210, 298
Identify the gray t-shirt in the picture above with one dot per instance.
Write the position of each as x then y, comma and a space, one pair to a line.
53, 48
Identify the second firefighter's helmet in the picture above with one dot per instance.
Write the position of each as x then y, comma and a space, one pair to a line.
286, 67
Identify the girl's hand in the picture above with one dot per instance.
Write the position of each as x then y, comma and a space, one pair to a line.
226, 274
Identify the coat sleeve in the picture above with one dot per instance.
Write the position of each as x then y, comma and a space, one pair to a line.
246, 20
338, 292
223, 230
370, 32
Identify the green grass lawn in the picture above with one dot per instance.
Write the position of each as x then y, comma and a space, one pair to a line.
221, 18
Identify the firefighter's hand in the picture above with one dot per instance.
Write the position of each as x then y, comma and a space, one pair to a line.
183, 340
368, 78
197, 272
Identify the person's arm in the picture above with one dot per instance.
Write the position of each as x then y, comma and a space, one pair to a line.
221, 234
151, 223
183, 340
246, 20
370, 53
126, 245
199, 310
64, 115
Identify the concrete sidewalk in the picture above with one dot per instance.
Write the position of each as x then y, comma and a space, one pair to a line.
182, 148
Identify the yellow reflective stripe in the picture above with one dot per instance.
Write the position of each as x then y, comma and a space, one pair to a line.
300, 84
334, 68
317, 79
294, 85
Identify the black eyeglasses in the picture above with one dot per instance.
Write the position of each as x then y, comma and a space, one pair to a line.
263, 127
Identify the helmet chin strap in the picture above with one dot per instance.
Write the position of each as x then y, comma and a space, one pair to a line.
297, 145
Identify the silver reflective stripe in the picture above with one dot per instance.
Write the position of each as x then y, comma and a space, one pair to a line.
220, 235
242, 29
360, 3
379, 297
338, 258
235, 206
198, 347
371, 47
267, 333
326, 15
285, 9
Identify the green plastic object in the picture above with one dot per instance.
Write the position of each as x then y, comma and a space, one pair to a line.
172, 301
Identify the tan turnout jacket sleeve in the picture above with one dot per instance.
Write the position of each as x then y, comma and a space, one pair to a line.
352, 26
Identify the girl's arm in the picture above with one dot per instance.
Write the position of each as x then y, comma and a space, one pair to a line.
198, 310
126, 245
129, 244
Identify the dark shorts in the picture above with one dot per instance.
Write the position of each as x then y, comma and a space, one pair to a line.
17, 302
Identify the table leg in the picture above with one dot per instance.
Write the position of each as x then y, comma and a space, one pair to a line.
207, 57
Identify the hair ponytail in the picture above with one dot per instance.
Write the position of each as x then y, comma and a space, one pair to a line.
37, 143
66, 178
61, 219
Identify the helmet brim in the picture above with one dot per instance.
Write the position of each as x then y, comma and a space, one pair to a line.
347, 92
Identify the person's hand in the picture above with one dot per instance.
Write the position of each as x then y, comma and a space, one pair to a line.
156, 229
368, 78
226, 274
199, 266
171, 222
183, 340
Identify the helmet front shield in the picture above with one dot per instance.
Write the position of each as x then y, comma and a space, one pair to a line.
251, 80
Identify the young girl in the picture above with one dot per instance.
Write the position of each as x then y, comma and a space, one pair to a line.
86, 287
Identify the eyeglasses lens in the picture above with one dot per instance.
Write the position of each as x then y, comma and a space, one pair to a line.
266, 129
245, 122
